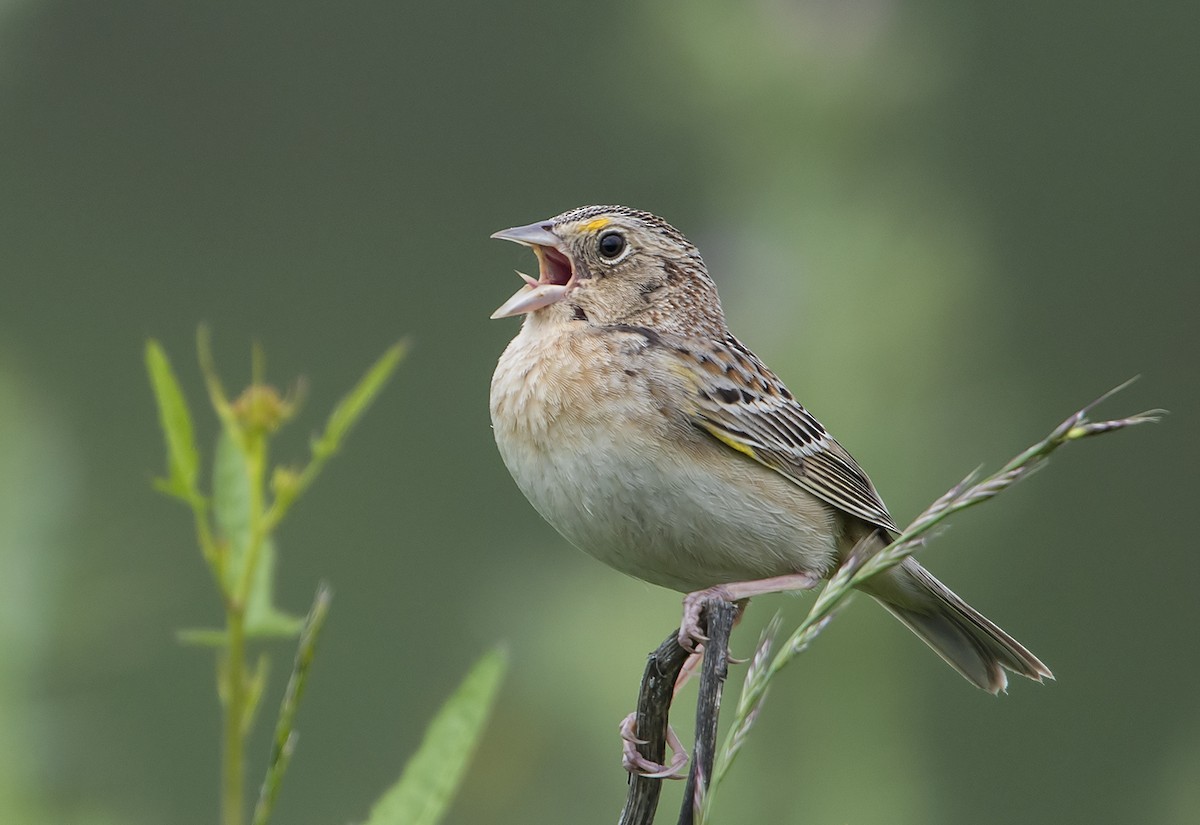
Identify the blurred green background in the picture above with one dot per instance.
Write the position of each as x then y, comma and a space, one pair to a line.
946, 224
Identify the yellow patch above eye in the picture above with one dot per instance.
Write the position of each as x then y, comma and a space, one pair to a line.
596, 224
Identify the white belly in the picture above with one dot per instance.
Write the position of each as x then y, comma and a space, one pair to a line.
626, 484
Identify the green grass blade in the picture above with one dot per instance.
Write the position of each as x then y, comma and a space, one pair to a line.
183, 459
285, 732
427, 786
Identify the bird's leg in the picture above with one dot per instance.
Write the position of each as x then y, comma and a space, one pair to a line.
631, 758
634, 762
690, 666
690, 634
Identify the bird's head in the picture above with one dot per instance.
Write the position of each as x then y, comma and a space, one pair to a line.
614, 265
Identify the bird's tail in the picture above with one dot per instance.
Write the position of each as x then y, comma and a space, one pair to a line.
968, 641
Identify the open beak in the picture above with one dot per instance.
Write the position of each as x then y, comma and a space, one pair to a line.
556, 275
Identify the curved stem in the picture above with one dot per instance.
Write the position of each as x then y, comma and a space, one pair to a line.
654, 705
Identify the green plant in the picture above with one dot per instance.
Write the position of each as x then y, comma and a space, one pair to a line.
236, 524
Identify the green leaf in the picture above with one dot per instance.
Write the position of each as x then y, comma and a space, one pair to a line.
263, 619
183, 459
232, 504
351, 408
343, 418
233, 507
427, 786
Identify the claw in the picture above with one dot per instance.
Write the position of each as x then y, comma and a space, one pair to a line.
627, 727
690, 634
634, 762
738, 593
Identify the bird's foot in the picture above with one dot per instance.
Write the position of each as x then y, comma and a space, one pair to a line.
633, 761
690, 634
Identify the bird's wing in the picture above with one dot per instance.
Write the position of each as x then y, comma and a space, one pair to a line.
745, 406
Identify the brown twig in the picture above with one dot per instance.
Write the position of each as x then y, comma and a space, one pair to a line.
721, 616
654, 706
653, 710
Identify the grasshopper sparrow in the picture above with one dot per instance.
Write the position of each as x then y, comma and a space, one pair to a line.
654, 440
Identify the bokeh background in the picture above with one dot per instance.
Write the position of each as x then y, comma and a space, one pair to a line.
946, 224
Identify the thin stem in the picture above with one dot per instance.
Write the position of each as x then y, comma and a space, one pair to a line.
237, 709
654, 705
748, 706
210, 548
721, 616
860, 565
233, 691
256, 469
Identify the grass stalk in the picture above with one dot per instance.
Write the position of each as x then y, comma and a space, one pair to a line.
860, 566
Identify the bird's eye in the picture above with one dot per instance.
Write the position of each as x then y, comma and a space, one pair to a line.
611, 244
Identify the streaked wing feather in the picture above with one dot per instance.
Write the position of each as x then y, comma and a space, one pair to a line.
746, 407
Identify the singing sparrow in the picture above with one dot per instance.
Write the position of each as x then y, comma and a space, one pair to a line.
654, 440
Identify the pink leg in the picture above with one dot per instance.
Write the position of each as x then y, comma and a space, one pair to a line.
688, 670
693, 603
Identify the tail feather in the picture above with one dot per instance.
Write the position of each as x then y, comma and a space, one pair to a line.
969, 642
